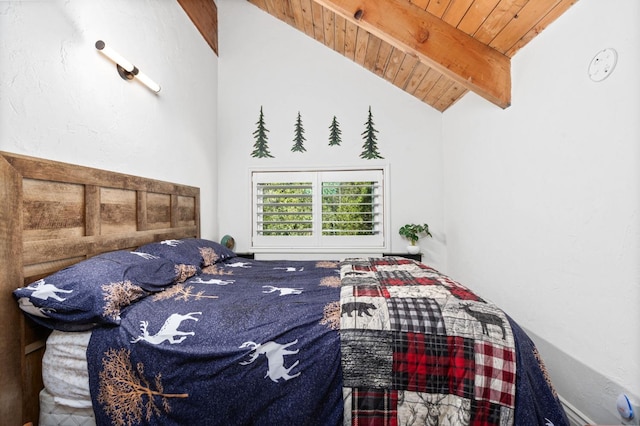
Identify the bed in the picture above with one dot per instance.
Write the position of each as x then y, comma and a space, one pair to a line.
194, 334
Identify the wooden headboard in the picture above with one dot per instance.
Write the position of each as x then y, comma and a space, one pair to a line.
53, 215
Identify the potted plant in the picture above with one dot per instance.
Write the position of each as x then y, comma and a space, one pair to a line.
413, 232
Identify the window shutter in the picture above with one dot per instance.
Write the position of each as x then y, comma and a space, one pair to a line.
323, 209
351, 208
284, 208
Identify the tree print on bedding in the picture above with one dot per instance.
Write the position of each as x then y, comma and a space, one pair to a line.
183, 272
209, 256
126, 395
330, 282
118, 295
215, 270
182, 292
329, 264
545, 372
331, 315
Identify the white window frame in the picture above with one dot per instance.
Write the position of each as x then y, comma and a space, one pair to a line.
318, 243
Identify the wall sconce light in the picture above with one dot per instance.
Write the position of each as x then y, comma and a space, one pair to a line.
126, 69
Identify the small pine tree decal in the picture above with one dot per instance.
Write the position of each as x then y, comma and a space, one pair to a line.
335, 132
370, 146
299, 136
261, 149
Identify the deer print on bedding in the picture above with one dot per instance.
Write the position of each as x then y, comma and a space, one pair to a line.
169, 331
238, 265
44, 291
485, 319
290, 269
28, 307
275, 353
284, 291
214, 281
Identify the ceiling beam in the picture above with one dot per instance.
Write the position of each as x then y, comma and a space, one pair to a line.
439, 45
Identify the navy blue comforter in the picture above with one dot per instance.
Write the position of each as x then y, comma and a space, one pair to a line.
243, 343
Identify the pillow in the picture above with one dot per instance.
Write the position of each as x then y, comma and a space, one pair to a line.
95, 290
190, 251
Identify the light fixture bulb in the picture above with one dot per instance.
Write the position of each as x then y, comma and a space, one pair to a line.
114, 56
144, 79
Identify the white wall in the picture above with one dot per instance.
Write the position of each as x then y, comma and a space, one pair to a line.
543, 201
63, 100
265, 62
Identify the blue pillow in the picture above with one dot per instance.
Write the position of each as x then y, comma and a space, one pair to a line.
96, 290
190, 251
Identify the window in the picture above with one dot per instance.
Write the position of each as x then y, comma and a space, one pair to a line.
319, 209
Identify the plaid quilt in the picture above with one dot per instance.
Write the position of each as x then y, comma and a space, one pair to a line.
419, 348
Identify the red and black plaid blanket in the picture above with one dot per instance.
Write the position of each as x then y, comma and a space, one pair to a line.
419, 348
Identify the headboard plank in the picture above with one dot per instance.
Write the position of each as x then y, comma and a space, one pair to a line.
53, 215
60, 249
10, 276
48, 170
92, 209
141, 206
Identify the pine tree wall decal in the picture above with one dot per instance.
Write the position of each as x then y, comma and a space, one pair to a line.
370, 146
299, 138
335, 132
261, 149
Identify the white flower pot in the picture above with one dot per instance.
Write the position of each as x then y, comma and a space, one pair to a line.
413, 249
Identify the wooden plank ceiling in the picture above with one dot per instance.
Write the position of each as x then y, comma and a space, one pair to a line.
204, 15
435, 50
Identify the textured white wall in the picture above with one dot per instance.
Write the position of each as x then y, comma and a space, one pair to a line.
543, 200
265, 62
63, 100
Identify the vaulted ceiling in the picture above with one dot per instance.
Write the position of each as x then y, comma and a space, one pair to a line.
435, 50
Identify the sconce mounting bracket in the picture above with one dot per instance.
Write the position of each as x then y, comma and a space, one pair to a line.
126, 75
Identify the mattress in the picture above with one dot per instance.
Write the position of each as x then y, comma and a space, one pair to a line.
53, 414
64, 369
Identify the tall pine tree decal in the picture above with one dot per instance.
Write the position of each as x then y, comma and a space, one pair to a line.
299, 138
260, 147
370, 146
335, 132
